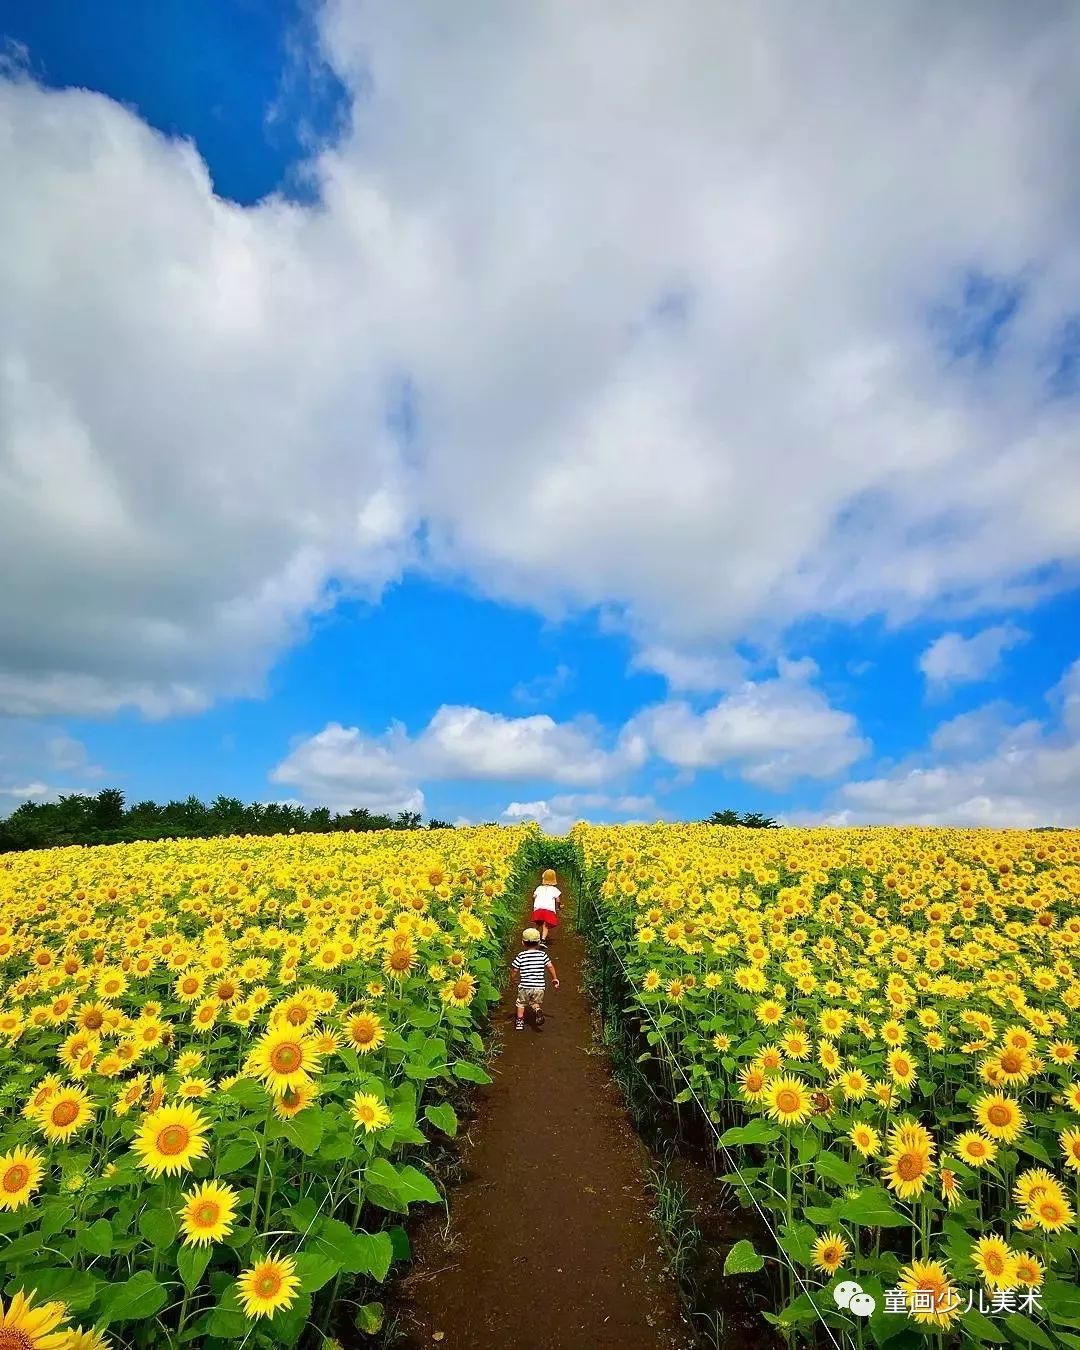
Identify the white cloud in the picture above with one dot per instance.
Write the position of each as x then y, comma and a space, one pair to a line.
542, 688
342, 766
982, 771
955, 659
660, 279
771, 732
701, 672
39, 761
559, 814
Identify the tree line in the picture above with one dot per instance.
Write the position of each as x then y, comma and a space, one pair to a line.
106, 818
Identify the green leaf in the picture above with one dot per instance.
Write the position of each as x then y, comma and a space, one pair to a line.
980, 1328
158, 1227
443, 1117
133, 1300
97, 1238
413, 1185
759, 1131
315, 1269
237, 1154
382, 1172
1024, 1329
872, 1206
77, 1288
378, 1253
471, 1073
369, 1318
251, 1095
831, 1167
742, 1259
399, 1239
305, 1130
55, 1216
191, 1262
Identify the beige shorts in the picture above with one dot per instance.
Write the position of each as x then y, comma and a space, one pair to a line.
530, 998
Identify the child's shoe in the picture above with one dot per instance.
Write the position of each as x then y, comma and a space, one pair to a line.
519, 1024
539, 1020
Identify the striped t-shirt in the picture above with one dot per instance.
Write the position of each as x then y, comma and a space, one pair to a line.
531, 964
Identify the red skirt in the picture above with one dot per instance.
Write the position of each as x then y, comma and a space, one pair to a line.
547, 916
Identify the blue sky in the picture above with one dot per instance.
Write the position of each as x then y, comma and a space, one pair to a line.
400, 416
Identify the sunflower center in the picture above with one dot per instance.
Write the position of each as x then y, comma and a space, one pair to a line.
909, 1166
401, 960
16, 1177
268, 1284
207, 1213
367, 1113
93, 1020
63, 1113
173, 1139
1049, 1210
994, 1263
286, 1058
787, 1101
1012, 1062
461, 989
11, 1338
999, 1115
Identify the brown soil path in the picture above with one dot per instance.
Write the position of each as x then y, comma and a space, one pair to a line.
550, 1245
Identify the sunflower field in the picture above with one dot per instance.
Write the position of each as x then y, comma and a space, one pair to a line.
881, 1026
220, 1064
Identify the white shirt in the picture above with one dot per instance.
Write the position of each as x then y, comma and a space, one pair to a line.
544, 897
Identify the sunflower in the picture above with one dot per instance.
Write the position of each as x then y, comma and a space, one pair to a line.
21, 1171
902, 1068
865, 1138
1070, 1146
855, 1085
397, 962
907, 1171
995, 1262
82, 1339
294, 1100
829, 1252
369, 1112
1050, 1210
269, 1284
1000, 1116
207, 1213
929, 1294
24, 1327
40, 1094
787, 1100
752, 1082
284, 1058
170, 1139
65, 1112
459, 993
1029, 1270
950, 1188
974, 1148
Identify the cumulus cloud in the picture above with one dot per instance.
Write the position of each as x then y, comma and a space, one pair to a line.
700, 672
982, 770
770, 732
342, 766
558, 814
954, 659
669, 333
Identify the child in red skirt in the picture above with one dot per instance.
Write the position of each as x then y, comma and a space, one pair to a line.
546, 897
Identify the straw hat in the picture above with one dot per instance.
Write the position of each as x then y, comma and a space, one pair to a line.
531, 935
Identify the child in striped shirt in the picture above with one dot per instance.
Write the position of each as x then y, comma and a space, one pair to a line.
532, 965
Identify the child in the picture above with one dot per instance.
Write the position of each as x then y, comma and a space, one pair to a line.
545, 914
532, 965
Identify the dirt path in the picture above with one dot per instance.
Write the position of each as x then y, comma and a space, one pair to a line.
550, 1245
